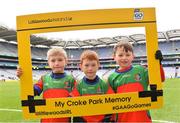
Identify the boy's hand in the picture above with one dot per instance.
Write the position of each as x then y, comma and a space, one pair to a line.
159, 56
19, 72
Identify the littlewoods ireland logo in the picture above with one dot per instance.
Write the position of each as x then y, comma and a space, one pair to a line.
138, 15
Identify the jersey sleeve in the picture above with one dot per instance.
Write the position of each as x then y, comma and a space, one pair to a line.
162, 73
111, 82
38, 87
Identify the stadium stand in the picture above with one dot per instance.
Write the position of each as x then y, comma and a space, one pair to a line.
169, 44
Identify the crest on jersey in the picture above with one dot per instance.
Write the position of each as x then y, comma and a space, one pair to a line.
67, 85
137, 77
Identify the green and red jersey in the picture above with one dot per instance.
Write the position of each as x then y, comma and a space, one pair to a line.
92, 87
132, 79
55, 85
130, 75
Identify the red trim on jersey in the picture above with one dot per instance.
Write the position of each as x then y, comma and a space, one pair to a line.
57, 120
130, 87
55, 93
110, 90
162, 73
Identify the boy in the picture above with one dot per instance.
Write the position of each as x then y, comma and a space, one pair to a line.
129, 78
91, 84
56, 84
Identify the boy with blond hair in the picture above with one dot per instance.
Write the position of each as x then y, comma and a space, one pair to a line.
56, 84
91, 84
130, 78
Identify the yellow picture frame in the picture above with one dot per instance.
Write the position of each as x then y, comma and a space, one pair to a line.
83, 20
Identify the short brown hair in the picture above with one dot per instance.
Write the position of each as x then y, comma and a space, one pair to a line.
90, 55
56, 51
125, 45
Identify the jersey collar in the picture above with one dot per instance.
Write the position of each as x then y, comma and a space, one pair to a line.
91, 82
124, 70
58, 75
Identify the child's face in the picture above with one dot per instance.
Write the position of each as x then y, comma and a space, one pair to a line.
57, 63
89, 67
123, 58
